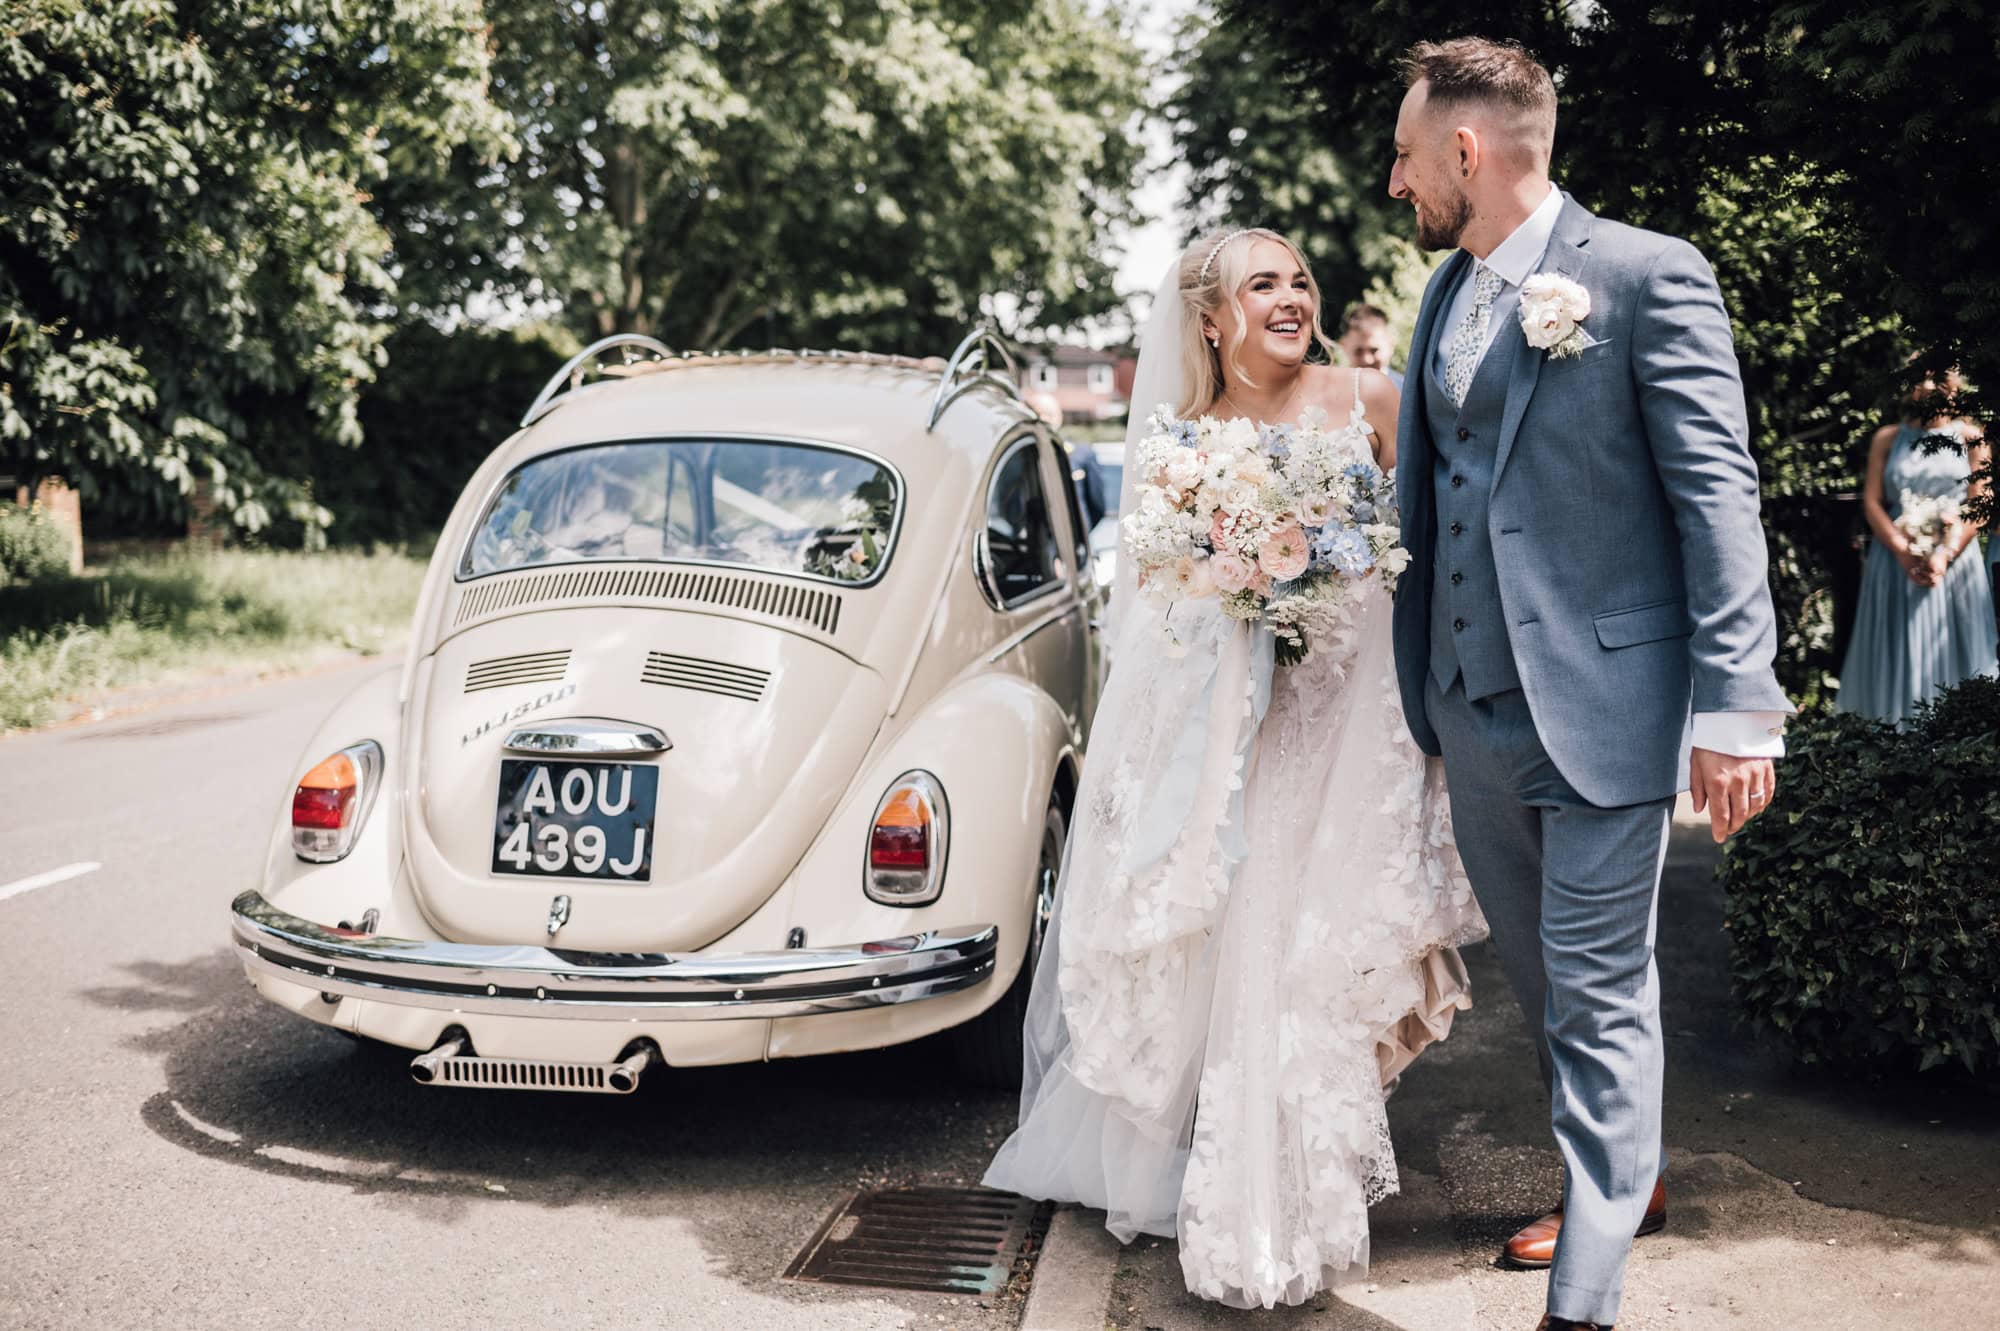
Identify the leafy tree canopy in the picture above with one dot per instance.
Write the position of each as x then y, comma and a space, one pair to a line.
191, 275
812, 171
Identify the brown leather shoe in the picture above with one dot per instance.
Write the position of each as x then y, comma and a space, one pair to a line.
1534, 1248
1549, 1323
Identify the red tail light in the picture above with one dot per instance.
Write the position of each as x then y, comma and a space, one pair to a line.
332, 801
906, 843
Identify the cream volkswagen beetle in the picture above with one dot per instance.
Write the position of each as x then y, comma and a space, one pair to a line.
743, 711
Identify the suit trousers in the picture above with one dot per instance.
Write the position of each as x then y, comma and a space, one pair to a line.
1571, 893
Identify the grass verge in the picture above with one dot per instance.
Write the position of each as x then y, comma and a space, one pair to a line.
155, 620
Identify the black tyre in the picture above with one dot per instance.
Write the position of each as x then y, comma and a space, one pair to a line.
988, 1049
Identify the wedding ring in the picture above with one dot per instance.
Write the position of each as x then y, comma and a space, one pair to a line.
1757, 795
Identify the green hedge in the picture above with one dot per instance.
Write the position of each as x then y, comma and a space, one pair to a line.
1864, 905
31, 547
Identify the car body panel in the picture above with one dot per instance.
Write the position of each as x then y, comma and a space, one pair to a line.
765, 802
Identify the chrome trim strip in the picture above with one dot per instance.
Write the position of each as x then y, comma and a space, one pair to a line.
530, 981
592, 735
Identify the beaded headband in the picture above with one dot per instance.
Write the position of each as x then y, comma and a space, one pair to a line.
1217, 249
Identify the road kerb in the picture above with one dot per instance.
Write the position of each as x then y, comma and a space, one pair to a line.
1071, 1290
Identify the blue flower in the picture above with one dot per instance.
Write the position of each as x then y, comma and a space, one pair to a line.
1183, 433
1358, 471
1362, 510
1277, 441
1347, 550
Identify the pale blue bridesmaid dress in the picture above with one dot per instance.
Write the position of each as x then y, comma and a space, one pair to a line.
1911, 643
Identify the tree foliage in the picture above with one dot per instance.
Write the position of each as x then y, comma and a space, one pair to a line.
219, 218
812, 171
191, 276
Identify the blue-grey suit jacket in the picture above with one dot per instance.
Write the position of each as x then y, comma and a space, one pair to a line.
1624, 518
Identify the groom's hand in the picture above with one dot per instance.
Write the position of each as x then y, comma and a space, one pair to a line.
1733, 790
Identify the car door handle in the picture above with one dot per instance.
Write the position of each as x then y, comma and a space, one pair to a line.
588, 735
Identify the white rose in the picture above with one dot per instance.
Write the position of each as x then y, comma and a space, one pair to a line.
1240, 435
1184, 470
1241, 496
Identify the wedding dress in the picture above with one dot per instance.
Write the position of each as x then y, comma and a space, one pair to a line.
1254, 934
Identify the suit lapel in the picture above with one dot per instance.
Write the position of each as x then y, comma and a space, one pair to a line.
1413, 442
1566, 255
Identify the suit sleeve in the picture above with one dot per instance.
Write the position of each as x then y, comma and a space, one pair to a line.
1691, 399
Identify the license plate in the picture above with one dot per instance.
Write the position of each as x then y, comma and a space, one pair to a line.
575, 820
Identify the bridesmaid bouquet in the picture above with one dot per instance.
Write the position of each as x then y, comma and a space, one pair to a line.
1925, 521
1283, 524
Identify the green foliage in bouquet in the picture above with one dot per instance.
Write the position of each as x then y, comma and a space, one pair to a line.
1864, 905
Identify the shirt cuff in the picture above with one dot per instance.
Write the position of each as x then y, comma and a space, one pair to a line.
1741, 734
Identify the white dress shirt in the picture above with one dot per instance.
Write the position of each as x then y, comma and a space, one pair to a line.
1515, 259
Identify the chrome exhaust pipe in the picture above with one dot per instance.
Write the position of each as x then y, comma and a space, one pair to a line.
624, 1077
424, 1067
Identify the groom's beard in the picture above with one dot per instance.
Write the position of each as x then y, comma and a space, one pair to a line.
1440, 228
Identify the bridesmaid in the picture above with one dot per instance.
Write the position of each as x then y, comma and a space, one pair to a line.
1925, 621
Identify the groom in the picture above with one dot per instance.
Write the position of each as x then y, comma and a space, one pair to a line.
1585, 627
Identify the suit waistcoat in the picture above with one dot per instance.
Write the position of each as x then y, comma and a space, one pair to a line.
1468, 623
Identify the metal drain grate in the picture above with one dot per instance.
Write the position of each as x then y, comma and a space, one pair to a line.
945, 1240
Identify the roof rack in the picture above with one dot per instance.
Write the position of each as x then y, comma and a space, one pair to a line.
573, 369
969, 367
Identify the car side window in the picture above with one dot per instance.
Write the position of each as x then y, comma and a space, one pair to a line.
1023, 552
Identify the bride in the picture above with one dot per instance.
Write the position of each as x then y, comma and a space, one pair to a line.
1260, 903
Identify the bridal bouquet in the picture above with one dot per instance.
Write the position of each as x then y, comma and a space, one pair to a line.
1925, 520
1282, 523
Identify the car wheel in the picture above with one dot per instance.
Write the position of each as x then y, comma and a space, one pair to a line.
988, 1048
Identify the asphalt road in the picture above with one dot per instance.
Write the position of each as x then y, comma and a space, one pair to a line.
174, 1152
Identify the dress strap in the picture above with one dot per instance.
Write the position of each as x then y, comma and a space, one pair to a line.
1354, 418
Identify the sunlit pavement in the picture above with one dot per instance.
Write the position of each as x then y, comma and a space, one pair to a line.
175, 1152
1797, 1200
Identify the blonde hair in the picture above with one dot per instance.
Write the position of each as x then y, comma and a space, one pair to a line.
1211, 270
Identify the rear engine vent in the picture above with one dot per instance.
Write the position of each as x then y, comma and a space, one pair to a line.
691, 672
532, 668
775, 599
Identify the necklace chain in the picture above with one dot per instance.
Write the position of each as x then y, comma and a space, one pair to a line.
1298, 382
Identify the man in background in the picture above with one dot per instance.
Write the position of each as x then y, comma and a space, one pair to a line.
1364, 340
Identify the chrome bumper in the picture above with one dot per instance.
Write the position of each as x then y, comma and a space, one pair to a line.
608, 986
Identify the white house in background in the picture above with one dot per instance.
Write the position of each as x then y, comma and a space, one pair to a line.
1090, 385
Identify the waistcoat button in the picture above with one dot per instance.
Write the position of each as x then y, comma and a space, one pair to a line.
1456, 528
1464, 433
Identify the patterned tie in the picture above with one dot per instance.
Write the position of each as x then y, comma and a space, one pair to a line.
1469, 340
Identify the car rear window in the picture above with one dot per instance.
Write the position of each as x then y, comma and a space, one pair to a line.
788, 508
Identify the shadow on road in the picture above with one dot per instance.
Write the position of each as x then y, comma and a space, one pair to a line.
753, 1156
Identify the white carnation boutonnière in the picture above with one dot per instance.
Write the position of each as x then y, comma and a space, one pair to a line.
1553, 309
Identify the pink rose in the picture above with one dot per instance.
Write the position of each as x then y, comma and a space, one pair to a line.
1232, 572
1221, 530
1261, 584
1314, 512
1283, 555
